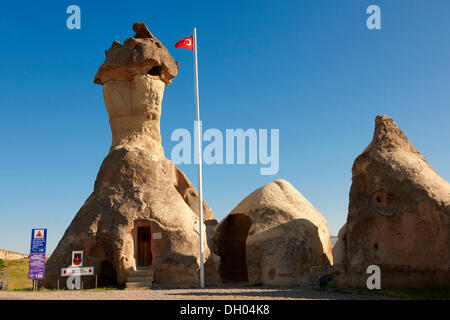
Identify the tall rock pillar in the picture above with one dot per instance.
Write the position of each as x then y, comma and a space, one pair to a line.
143, 212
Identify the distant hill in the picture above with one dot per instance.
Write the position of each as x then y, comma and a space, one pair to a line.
11, 255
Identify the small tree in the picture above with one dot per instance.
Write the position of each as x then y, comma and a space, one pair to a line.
2, 264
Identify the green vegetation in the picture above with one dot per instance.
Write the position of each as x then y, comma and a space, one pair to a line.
18, 273
415, 294
103, 289
18, 276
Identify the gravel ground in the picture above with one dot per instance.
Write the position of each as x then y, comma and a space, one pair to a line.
248, 293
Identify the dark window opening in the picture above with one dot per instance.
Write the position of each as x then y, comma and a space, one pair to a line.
155, 71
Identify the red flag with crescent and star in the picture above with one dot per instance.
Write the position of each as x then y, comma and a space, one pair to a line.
186, 43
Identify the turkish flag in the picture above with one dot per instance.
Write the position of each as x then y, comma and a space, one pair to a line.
186, 43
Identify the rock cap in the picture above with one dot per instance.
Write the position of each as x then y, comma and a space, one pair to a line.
388, 136
141, 54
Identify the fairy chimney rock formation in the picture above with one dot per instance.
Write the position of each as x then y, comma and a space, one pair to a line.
399, 216
143, 212
273, 237
133, 77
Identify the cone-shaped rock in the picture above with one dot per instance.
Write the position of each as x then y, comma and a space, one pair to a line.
399, 216
142, 213
273, 237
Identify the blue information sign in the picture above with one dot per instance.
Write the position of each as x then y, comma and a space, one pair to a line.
37, 253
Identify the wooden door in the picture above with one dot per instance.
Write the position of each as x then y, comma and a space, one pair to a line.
144, 247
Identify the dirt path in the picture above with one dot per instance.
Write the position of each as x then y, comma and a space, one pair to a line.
189, 294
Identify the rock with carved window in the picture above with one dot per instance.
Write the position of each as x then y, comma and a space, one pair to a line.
398, 219
140, 225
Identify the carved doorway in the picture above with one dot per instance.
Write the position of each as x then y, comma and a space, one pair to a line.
232, 239
144, 247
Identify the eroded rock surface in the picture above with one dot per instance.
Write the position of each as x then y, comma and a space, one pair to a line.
399, 216
273, 237
143, 212
142, 54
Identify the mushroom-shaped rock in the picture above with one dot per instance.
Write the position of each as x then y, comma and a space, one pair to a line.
142, 54
273, 237
140, 224
399, 216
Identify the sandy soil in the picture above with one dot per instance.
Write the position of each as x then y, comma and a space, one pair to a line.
248, 293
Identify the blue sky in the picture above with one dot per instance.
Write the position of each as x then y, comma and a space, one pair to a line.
309, 68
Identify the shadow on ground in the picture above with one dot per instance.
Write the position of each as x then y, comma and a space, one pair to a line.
270, 293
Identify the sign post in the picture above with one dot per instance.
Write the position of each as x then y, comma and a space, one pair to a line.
77, 271
37, 255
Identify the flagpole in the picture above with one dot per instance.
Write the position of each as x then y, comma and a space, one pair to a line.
199, 144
